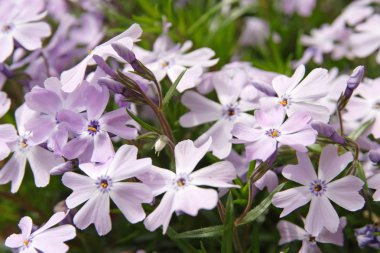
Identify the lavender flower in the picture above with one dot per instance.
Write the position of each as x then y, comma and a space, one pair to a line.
300, 96
105, 181
73, 77
354, 81
320, 190
366, 236
227, 113
182, 191
45, 239
17, 20
328, 131
290, 232
262, 142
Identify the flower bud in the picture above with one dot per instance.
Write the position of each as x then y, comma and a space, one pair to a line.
160, 144
328, 131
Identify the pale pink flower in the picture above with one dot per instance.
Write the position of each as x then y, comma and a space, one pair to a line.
73, 77
227, 113
290, 232
297, 95
320, 189
182, 191
18, 22
273, 131
103, 182
45, 239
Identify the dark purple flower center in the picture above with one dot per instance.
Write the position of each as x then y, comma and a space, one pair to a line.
231, 111
104, 183
93, 127
318, 187
311, 238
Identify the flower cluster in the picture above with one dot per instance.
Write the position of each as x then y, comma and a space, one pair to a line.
89, 108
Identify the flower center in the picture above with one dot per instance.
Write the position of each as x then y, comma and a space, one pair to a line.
376, 106
273, 133
6, 28
23, 141
285, 101
318, 187
26, 243
181, 181
104, 183
311, 238
93, 127
231, 111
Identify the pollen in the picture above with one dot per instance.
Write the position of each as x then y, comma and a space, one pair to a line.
317, 188
26, 243
164, 64
104, 184
181, 182
92, 129
23, 144
284, 102
274, 133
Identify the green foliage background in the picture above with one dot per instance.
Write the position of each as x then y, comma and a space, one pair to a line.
203, 23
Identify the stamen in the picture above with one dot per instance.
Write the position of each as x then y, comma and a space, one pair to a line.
26, 243
164, 64
318, 187
93, 127
274, 133
181, 182
104, 184
284, 102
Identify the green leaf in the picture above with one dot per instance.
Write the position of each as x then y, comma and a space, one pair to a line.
251, 168
260, 209
361, 129
172, 89
207, 232
182, 244
143, 123
228, 234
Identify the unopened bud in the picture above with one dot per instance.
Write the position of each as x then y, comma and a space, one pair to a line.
354, 81
160, 144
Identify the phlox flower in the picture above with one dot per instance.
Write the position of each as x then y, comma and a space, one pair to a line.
290, 232
41, 161
182, 188
273, 131
18, 22
297, 95
366, 38
73, 77
45, 239
58, 113
227, 113
8, 132
302, 7
368, 102
93, 141
320, 189
105, 181
168, 59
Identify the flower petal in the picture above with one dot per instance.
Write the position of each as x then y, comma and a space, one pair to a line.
187, 156
272, 118
13, 171
6, 42
115, 122
162, 214
290, 232
83, 188
261, 149
128, 197
202, 110
291, 199
29, 35
246, 133
331, 164
96, 210
321, 214
303, 172
103, 148
345, 192
191, 199
219, 174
